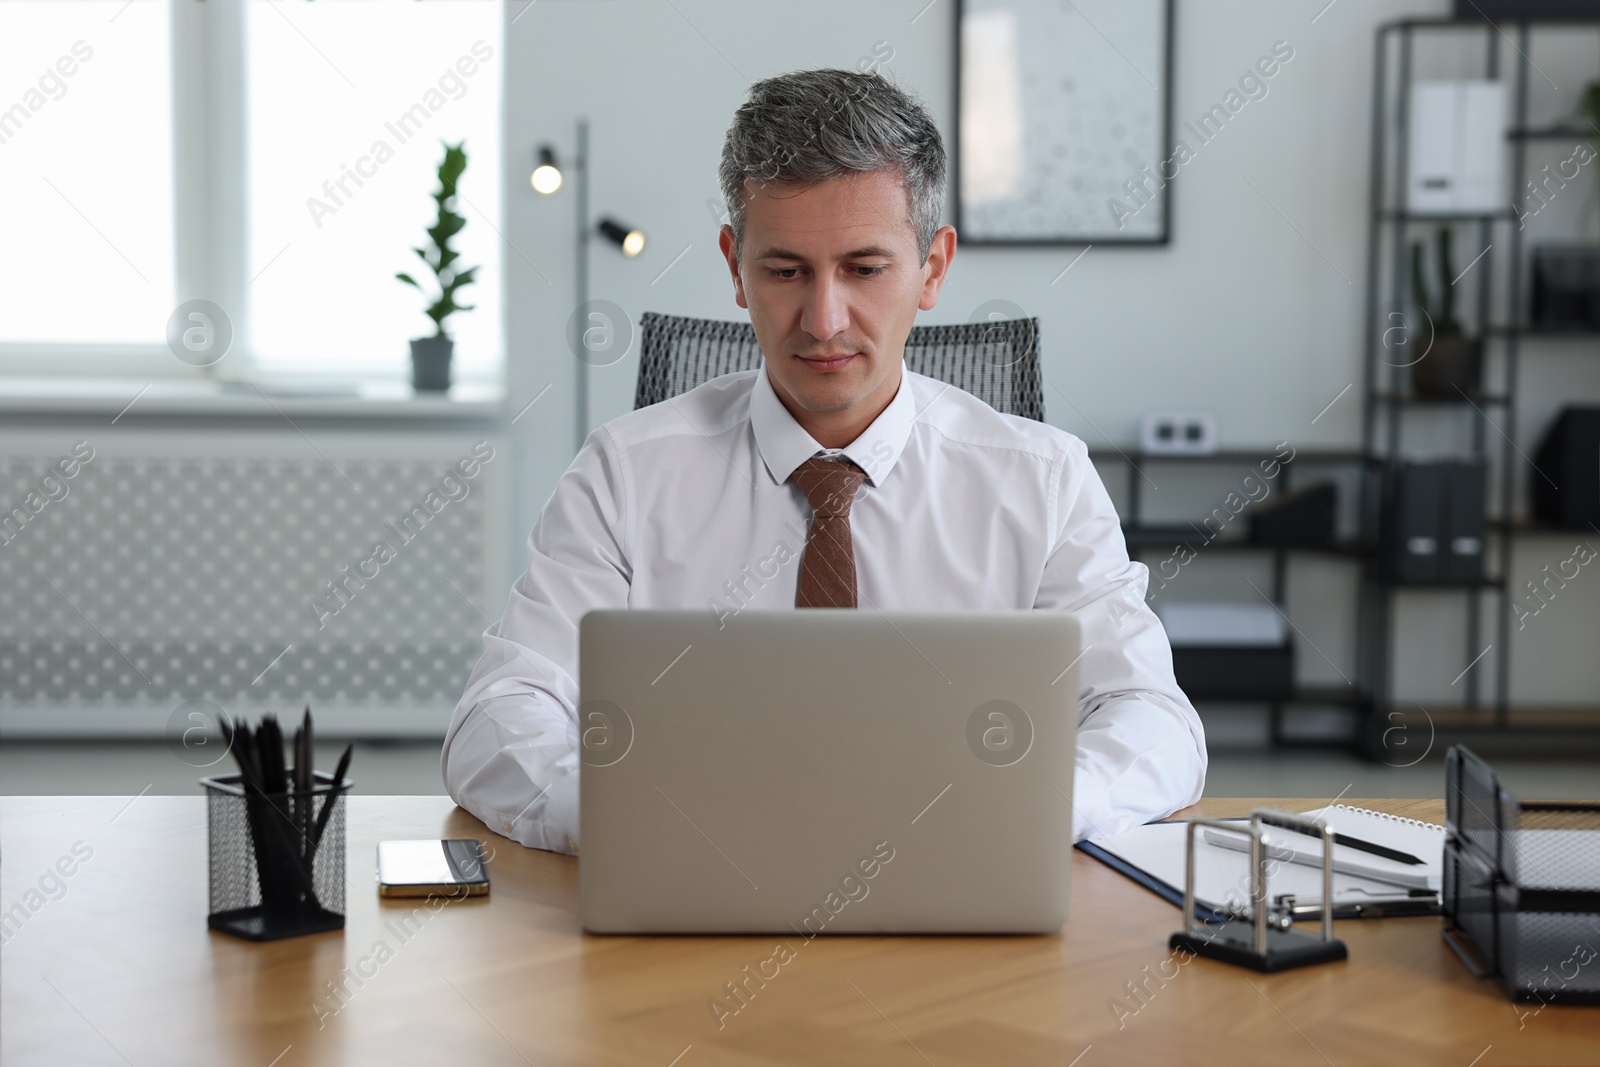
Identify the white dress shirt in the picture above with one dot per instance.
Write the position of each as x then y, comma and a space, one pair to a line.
688, 504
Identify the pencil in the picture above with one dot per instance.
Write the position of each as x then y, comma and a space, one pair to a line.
333, 794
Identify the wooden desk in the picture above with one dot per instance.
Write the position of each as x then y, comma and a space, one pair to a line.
120, 969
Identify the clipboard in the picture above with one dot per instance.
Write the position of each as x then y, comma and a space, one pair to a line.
1364, 899
1171, 894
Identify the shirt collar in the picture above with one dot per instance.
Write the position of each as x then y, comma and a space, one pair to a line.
784, 444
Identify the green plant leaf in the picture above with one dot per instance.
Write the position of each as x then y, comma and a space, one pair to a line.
1447, 323
408, 279
441, 256
461, 278
1419, 283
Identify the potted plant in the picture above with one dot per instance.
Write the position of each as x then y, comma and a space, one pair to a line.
430, 356
1451, 363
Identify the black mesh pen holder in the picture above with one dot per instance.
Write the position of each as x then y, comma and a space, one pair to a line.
1521, 895
276, 859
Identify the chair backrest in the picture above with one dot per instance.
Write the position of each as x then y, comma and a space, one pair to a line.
998, 362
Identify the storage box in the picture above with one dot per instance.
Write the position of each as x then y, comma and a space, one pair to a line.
1307, 516
1566, 288
1529, 10
1457, 150
1229, 651
1566, 485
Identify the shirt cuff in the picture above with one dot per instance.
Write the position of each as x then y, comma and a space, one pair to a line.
1091, 808
561, 816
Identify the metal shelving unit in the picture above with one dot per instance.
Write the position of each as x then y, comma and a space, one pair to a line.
1387, 401
1141, 536
1387, 398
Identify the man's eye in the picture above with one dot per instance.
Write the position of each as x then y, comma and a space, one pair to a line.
783, 272
870, 272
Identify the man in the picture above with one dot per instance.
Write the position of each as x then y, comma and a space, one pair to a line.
832, 477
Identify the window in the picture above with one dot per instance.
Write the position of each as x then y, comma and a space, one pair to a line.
86, 172
307, 140
347, 106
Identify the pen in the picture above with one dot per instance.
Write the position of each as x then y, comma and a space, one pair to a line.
1417, 902
1377, 850
1278, 850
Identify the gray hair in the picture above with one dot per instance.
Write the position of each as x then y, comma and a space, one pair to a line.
812, 125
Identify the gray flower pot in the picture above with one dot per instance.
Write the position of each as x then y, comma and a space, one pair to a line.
430, 363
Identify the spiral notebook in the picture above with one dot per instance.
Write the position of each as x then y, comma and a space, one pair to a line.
1154, 854
1422, 840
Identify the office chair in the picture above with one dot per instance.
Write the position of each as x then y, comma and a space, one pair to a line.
998, 362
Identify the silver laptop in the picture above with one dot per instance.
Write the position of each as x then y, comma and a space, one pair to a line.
826, 771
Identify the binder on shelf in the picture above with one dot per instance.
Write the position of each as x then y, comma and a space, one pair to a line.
1433, 523
1461, 555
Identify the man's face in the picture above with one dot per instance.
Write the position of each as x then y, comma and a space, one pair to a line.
832, 280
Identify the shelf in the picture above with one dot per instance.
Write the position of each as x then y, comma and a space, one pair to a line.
1444, 22
1413, 398
1529, 528
1172, 536
1305, 694
1329, 694
1233, 455
1441, 587
1459, 717
1545, 335
1552, 133
1391, 215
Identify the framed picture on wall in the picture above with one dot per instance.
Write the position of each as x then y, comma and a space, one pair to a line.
1064, 121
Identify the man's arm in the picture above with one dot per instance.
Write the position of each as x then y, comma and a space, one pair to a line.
510, 756
1141, 750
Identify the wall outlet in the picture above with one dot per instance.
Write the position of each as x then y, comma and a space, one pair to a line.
1179, 433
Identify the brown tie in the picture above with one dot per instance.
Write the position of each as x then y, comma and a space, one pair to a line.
828, 567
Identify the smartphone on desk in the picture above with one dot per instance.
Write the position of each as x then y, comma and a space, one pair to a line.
452, 868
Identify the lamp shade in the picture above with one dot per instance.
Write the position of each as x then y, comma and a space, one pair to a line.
546, 177
630, 240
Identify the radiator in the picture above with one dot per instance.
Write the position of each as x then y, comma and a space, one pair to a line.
141, 570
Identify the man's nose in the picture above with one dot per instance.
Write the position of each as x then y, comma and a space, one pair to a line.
826, 314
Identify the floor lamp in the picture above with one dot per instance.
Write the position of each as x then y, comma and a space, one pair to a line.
547, 179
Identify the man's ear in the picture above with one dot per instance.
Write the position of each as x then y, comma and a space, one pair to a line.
937, 268
730, 252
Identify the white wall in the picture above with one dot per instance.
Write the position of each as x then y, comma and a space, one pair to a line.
1254, 311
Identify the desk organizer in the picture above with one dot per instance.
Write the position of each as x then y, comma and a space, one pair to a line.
276, 859
1521, 900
